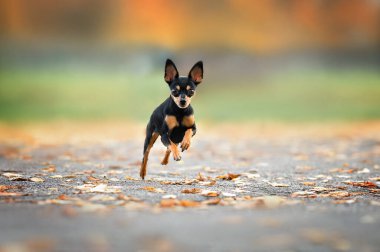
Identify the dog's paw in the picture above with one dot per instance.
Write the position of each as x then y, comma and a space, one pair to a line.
185, 144
174, 149
176, 156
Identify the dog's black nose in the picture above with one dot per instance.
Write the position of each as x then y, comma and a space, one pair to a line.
182, 102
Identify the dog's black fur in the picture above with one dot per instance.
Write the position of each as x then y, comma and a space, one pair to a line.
173, 120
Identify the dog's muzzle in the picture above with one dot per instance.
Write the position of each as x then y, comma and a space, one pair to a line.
182, 101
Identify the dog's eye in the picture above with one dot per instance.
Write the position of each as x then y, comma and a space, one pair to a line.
190, 93
175, 93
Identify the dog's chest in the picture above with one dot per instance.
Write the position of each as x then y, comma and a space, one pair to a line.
180, 121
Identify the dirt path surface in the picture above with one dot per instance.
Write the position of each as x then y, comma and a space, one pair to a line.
249, 187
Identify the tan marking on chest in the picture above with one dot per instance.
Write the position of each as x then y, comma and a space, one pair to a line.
171, 121
188, 121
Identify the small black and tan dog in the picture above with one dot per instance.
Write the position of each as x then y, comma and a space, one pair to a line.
173, 120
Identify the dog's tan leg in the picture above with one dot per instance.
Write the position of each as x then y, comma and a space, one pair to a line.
165, 161
186, 140
146, 154
174, 148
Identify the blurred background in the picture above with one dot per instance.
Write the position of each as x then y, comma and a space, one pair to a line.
280, 60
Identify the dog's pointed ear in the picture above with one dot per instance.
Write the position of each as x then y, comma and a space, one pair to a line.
171, 71
196, 72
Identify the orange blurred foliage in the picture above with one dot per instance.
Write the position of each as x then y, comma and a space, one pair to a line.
258, 26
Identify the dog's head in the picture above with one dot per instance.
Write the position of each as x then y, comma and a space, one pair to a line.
182, 89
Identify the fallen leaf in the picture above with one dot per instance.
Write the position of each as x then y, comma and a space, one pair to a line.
7, 187
226, 194
228, 176
341, 170
57, 176
63, 197
192, 190
207, 183
375, 178
347, 201
37, 180
153, 189
377, 191
361, 183
304, 194
209, 193
168, 203
189, 203
130, 178
11, 194
11, 175
92, 178
101, 188
275, 184
308, 183
212, 201
319, 189
339, 194
50, 168
102, 197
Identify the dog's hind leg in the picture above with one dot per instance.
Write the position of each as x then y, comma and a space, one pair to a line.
165, 161
150, 139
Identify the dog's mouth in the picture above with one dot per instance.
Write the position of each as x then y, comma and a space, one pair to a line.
183, 106
181, 103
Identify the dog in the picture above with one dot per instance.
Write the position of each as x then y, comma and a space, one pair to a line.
174, 119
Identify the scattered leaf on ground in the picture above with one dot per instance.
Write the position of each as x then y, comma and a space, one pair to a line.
153, 189
228, 176
361, 183
37, 180
192, 190
209, 193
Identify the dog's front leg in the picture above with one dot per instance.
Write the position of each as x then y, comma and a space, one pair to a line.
165, 138
186, 142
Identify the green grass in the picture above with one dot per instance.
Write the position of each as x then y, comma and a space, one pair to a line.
300, 95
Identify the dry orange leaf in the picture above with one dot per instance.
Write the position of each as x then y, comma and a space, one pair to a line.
228, 176
11, 194
307, 183
50, 168
207, 183
168, 203
7, 187
213, 201
361, 184
303, 194
152, 189
92, 178
210, 193
189, 203
339, 194
63, 197
192, 190
37, 180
